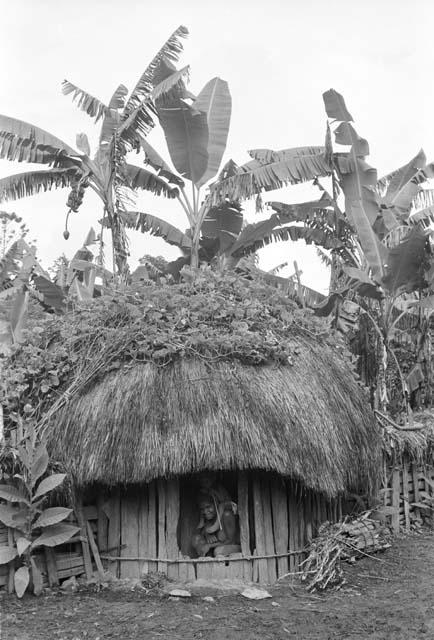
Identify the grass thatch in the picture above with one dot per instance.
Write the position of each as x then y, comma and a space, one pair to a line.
410, 446
310, 421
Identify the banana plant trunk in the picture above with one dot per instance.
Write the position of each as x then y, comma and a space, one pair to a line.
119, 240
335, 270
381, 396
194, 261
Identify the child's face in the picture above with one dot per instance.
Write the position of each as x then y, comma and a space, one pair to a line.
207, 510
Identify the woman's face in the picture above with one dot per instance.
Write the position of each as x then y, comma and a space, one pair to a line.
207, 510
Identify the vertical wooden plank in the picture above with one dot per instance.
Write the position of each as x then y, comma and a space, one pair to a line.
268, 529
248, 570
243, 516
255, 568
405, 496
129, 535
153, 528
236, 568
416, 489
113, 510
189, 517
301, 499
259, 530
143, 529
218, 571
334, 511
191, 568
83, 533
308, 516
243, 513
172, 519
292, 525
395, 499
326, 511
102, 531
203, 569
323, 501
182, 569
280, 523
162, 549
50, 559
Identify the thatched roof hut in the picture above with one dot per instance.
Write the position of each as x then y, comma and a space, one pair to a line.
219, 373
310, 421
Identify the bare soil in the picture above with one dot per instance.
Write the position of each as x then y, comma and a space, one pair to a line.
391, 597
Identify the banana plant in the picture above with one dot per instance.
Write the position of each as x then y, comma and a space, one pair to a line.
380, 237
23, 512
17, 267
125, 120
22, 278
394, 252
196, 130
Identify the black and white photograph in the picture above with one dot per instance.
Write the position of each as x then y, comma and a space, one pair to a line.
216, 329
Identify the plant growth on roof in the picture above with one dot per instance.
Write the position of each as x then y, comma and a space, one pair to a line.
211, 316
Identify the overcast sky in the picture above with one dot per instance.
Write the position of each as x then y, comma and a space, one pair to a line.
278, 57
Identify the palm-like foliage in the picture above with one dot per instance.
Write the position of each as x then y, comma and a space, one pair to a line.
125, 121
386, 218
196, 130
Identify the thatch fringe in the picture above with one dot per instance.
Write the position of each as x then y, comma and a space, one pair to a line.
416, 447
310, 421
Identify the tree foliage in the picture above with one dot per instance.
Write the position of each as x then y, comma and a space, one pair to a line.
125, 121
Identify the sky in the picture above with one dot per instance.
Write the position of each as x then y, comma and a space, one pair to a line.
278, 57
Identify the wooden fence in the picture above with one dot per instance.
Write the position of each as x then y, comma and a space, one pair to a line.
71, 559
404, 485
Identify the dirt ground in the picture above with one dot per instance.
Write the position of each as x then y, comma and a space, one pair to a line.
391, 597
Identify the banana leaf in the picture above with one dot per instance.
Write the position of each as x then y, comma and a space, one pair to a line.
215, 101
29, 183
406, 264
139, 178
23, 142
169, 52
187, 134
153, 158
358, 181
224, 223
112, 117
335, 106
391, 184
85, 101
147, 223
290, 167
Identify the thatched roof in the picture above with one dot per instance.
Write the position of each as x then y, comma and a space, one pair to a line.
410, 446
310, 421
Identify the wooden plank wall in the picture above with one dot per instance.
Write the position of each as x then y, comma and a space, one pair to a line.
402, 486
143, 523
275, 517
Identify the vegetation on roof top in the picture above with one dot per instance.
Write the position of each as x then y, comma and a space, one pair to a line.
210, 315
